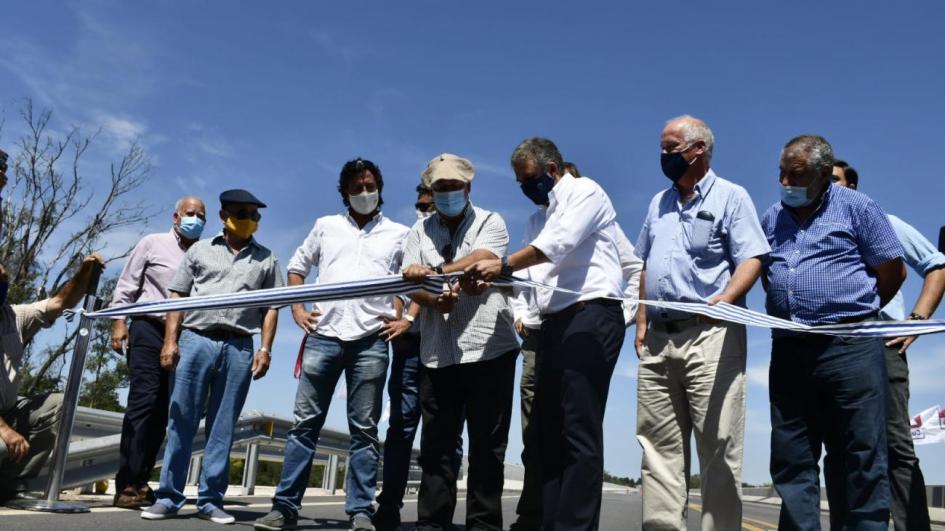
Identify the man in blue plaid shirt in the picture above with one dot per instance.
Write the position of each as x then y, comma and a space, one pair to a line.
834, 258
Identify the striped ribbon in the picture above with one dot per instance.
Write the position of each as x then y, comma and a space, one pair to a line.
396, 285
371, 287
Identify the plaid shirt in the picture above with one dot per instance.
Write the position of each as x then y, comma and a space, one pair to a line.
820, 272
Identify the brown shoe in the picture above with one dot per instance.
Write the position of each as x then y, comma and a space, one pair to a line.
128, 499
146, 495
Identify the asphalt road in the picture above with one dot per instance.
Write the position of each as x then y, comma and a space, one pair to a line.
619, 512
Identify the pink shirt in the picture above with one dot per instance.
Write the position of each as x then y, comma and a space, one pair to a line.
150, 268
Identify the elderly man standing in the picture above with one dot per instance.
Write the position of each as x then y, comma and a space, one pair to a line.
582, 330
910, 507
150, 268
468, 349
343, 338
528, 326
212, 357
835, 258
28, 425
702, 242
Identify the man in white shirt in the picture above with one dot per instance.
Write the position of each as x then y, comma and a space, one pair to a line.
528, 326
344, 336
582, 329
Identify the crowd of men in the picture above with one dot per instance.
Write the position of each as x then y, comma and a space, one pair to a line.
825, 253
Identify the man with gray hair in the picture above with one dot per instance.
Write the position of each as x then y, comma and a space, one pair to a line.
701, 242
835, 258
582, 328
147, 273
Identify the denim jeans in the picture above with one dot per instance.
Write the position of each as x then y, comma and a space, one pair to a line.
218, 374
364, 364
831, 392
404, 393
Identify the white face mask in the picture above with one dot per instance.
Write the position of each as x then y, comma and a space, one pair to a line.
364, 203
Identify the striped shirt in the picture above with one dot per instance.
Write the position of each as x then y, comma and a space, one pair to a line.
819, 272
480, 327
210, 268
150, 268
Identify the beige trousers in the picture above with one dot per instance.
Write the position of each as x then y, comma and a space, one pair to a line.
692, 382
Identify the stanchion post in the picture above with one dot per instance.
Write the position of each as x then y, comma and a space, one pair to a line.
70, 400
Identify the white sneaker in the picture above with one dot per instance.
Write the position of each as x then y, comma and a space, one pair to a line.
158, 511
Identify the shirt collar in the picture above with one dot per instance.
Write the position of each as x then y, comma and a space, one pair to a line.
218, 240
560, 187
702, 187
377, 218
468, 214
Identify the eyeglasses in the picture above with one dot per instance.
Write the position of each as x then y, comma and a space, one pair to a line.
423, 207
245, 214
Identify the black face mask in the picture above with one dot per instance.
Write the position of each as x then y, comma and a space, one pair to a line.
674, 165
537, 189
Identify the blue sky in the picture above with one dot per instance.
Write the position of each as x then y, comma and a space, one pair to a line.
274, 97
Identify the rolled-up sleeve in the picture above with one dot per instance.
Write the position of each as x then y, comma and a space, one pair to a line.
586, 212
919, 252
631, 265
746, 237
642, 248
306, 256
129, 282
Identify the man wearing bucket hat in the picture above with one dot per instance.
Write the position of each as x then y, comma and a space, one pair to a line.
468, 350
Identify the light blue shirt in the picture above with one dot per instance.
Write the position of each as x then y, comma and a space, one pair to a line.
921, 256
689, 256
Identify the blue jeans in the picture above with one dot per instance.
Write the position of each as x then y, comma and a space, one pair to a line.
832, 392
215, 373
364, 364
404, 393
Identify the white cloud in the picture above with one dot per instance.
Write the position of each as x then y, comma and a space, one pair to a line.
757, 375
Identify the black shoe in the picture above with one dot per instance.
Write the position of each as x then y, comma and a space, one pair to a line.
276, 521
387, 518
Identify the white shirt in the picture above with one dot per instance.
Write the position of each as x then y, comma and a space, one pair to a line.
524, 305
341, 251
580, 240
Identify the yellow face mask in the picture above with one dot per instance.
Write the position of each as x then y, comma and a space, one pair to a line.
242, 228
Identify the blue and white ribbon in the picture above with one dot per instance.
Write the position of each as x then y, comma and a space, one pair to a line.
434, 285
369, 287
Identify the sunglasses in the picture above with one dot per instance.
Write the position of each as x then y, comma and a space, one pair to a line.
245, 214
423, 207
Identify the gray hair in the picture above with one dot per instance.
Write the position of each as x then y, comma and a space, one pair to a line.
694, 130
540, 150
180, 202
819, 152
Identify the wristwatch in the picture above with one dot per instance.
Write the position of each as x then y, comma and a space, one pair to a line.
410, 319
506, 270
916, 317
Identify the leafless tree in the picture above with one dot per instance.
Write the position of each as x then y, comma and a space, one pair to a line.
52, 218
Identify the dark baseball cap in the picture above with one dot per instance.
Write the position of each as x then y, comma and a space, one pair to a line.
240, 196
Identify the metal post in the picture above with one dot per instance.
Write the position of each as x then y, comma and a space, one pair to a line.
250, 469
332, 473
70, 400
344, 484
193, 471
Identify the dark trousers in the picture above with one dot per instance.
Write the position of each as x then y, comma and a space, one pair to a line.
483, 390
579, 350
403, 390
142, 431
831, 392
910, 508
529, 503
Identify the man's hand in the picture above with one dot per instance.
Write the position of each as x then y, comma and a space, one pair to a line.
17, 446
394, 328
520, 328
484, 270
417, 273
473, 286
170, 353
260, 364
445, 301
640, 341
90, 261
307, 321
901, 342
119, 336
3, 274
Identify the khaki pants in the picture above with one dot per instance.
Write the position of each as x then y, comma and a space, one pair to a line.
37, 419
692, 381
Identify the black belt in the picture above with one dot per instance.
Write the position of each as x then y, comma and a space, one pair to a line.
220, 335
674, 327
578, 306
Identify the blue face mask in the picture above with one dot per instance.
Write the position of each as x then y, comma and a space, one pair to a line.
537, 188
795, 196
450, 204
191, 227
